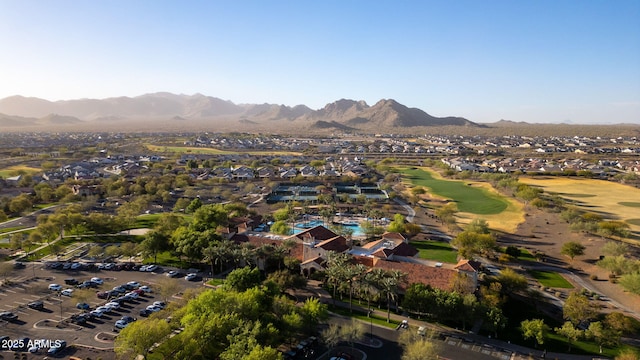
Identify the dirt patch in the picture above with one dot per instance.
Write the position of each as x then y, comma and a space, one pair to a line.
547, 233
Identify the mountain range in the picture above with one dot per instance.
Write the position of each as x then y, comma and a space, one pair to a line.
181, 110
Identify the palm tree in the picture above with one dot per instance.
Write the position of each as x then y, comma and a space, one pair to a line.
210, 254
370, 281
389, 285
336, 263
248, 253
353, 273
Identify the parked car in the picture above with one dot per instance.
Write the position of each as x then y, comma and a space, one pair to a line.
57, 347
86, 284
67, 292
132, 295
160, 304
71, 281
120, 289
151, 268
173, 273
143, 268
55, 287
145, 289
19, 344
120, 324
113, 305
97, 312
138, 291
97, 280
128, 318
144, 312
83, 306
37, 305
191, 277
153, 308
79, 318
134, 284
8, 316
102, 294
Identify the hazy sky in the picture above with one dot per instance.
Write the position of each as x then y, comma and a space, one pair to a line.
486, 60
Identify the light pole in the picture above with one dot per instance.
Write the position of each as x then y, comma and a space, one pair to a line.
371, 323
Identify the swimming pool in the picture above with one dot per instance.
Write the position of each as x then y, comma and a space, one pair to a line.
302, 226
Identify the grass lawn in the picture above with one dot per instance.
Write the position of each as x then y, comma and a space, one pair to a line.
17, 170
468, 198
215, 282
146, 221
551, 279
167, 259
378, 320
6, 230
474, 199
436, 251
526, 255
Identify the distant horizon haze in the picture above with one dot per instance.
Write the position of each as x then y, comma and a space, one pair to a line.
541, 61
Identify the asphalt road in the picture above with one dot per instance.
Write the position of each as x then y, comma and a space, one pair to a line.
453, 349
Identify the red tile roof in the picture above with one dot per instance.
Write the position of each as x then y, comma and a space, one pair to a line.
319, 233
337, 244
468, 265
440, 278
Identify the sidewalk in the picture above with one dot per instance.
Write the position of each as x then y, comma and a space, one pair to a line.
453, 337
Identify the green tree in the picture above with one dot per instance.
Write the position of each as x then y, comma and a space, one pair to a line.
570, 332
572, 249
280, 227
243, 279
194, 205
615, 248
139, 336
536, 329
480, 226
155, 242
470, 244
578, 309
600, 334
511, 281
631, 282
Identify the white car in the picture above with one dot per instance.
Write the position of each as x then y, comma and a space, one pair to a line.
191, 276
67, 292
160, 304
133, 295
121, 324
146, 289
97, 280
104, 308
97, 312
134, 284
153, 308
112, 305
143, 268
151, 268
55, 287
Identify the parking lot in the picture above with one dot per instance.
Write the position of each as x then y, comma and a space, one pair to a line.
53, 321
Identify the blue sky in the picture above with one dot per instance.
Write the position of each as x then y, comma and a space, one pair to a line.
572, 61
